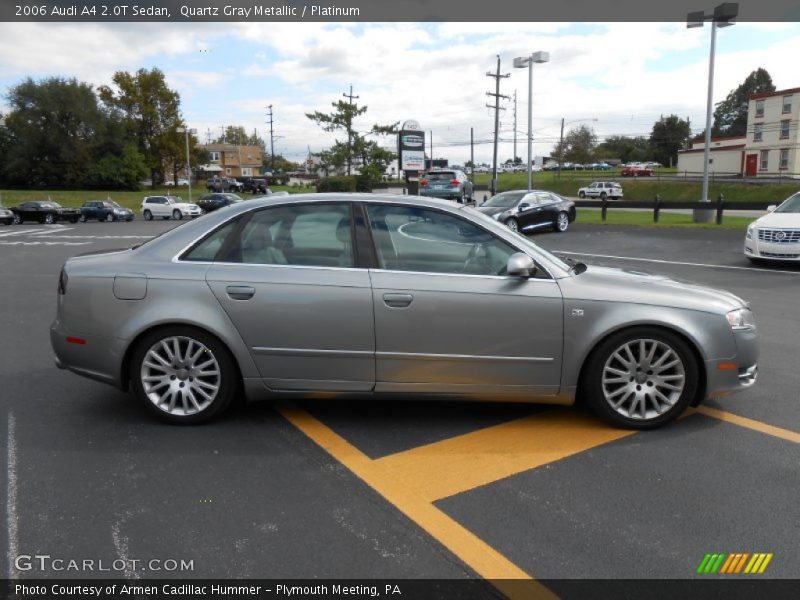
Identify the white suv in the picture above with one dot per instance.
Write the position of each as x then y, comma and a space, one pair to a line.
602, 190
168, 207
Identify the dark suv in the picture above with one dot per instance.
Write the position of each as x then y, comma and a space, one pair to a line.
256, 186
224, 184
105, 210
213, 201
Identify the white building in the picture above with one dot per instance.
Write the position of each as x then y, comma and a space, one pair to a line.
770, 147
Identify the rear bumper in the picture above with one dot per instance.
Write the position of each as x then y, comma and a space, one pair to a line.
98, 358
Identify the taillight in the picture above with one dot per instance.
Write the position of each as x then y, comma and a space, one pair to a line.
454, 182
62, 282
423, 182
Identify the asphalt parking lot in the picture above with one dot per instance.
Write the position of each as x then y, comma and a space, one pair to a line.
406, 490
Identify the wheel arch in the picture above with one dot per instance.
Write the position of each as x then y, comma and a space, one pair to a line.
684, 336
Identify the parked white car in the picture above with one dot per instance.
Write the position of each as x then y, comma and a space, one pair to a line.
168, 207
776, 235
602, 190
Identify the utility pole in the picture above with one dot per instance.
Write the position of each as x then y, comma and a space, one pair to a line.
431, 149
271, 141
208, 135
350, 97
472, 154
497, 76
561, 147
514, 158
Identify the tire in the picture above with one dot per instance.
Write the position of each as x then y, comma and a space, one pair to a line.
18, 220
48, 219
581, 194
83, 219
148, 216
110, 218
512, 224
177, 215
561, 224
462, 199
184, 388
624, 397
603, 196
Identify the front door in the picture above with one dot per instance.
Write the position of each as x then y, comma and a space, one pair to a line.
289, 284
448, 320
751, 165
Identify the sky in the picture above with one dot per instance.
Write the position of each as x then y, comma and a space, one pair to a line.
617, 78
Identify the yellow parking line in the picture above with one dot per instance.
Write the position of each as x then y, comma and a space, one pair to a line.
462, 463
474, 552
779, 432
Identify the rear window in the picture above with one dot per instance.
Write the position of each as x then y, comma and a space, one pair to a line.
441, 176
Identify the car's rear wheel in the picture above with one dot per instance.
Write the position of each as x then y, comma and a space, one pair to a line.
83, 219
512, 224
18, 220
177, 215
640, 378
561, 223
148, 216
183, 374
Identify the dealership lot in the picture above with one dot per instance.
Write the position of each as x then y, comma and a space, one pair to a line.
399, 489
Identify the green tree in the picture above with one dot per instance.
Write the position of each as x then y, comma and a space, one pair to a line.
625, 148
369, 156
51, 127
730, 115
669, 135
578, 146
152, 112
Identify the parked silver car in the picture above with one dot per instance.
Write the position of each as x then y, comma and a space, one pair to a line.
358, 294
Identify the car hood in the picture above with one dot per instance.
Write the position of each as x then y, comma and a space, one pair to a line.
492, 210
640, 287
779, 220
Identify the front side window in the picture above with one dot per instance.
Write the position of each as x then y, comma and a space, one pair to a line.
315, 235
409, 238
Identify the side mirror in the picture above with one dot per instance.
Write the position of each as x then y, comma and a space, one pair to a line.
772, 207
520, 265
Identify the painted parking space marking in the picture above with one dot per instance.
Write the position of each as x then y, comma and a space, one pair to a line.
38, 243
675, 262
469, 548
772, 430
462, 463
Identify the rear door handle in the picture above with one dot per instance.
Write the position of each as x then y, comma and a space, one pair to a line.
240, 292
397, 300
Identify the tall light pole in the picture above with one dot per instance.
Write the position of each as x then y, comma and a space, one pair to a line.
723, 16
521, 63
187, 131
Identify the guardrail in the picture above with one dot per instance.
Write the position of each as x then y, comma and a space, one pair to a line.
657, 205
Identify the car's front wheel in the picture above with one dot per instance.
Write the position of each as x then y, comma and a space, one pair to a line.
581, 194
109, 217
183, 374
148, 216
512, 224
640, 378
561, 223
48, 219
177, 215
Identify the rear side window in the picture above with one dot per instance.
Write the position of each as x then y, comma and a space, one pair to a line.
206, 250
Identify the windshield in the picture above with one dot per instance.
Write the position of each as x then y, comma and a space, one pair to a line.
504, 200
792, 205
52, 205
114, 204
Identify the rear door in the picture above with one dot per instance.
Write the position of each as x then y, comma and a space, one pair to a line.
289, 282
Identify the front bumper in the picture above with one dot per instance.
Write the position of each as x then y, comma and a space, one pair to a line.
754, 248
724, 376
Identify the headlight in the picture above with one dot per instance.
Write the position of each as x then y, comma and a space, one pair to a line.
741, 318
750, 230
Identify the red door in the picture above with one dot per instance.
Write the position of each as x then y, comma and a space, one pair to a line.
751, 165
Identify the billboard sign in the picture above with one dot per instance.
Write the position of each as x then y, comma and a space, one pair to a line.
411, 147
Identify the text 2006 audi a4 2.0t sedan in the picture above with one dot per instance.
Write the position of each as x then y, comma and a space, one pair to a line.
368, 294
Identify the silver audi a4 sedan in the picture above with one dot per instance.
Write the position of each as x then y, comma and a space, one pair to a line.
362, 294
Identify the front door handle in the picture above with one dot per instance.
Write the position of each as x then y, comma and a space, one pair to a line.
397, 300
240, 292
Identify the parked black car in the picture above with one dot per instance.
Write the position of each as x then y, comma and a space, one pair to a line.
523, 210
256, 186
211, 202
6, 216
224, 184
44, 211
105, 210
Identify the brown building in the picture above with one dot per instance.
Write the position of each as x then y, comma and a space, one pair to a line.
229, 160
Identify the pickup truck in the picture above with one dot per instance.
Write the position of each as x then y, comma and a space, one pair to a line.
224, 184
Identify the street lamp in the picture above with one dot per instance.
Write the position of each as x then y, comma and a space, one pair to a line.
520, 63
187, 131
723, 16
